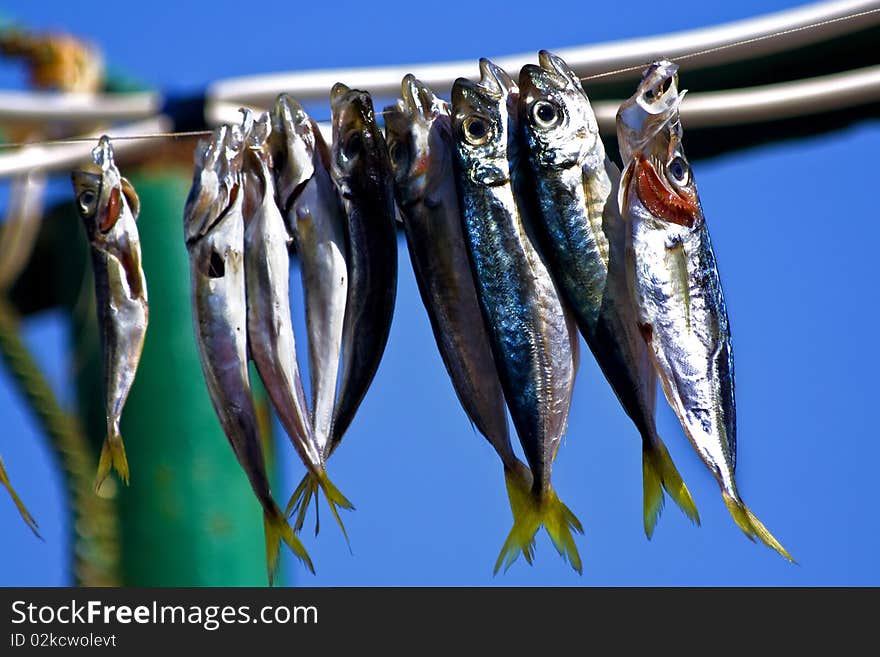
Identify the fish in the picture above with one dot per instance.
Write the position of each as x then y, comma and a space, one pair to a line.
22, 509
214, 234
681, 311
361, 170
419, 135
584, 240
532, 336
313, 213
108, 207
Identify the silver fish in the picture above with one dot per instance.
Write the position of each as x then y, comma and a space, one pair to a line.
214, 232
532, 337
108, 207
316, 220
681, 311
362, 173
419, 135
584, 239
266, 251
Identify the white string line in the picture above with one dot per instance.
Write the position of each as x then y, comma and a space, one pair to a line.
628, 69
744, 42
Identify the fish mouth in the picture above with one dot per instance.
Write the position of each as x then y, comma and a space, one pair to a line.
102, 154
659, 199
289, 118
352, 110
215, 191
259, 132
419, 99
553, 63
496, 79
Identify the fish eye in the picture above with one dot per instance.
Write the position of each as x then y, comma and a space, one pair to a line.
476, 130
546, 114
679, 170
353, 145
399, 153
649, 95
87, 200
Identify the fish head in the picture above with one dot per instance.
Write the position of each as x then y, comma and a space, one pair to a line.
480, 126
417, 132
215, 181
655, 101
101, 193
560, 126
660, 178
257, 128
293, 144
358, 145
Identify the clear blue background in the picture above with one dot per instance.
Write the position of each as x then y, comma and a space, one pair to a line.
795, 230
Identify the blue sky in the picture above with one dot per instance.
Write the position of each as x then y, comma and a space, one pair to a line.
794, 229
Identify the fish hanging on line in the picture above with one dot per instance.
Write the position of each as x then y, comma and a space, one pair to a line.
584, 238
269, 325
214, 231
420, 143
533, 339
681, 311
315, 219
108, 206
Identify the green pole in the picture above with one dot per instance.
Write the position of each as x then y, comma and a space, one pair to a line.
189, 517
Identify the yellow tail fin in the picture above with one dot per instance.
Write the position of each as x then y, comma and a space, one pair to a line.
22, 509
276, 528
529, 513
308, 487
112, 455
658, 471
752, 527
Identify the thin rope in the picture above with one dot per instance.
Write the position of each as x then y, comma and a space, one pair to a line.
618, 71
79, 140
744, 42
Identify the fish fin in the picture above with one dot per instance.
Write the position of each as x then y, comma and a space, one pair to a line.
112, 456
277, 530
22, 509
307, 488
658, 473
526, 524
529, 513
559, 521
752, 527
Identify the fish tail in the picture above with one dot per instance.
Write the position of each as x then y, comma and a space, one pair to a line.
277, 530
112, 456
22, 509
525, 523
308, 488
529, 513
751, 526
559, 521
658, 473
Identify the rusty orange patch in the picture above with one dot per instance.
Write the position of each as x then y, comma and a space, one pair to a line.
114, 208
661, 201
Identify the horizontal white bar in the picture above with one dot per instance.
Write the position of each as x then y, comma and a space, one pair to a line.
586, 60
